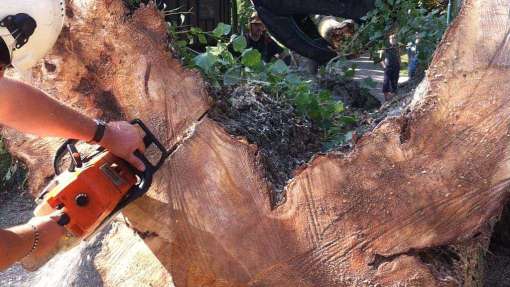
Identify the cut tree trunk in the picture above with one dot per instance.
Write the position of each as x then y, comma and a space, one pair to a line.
411, 205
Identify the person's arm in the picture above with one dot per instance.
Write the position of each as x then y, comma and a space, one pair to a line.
383, 59
18, 242
30, 110
15, 243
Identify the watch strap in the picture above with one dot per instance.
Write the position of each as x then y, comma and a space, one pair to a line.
100, 130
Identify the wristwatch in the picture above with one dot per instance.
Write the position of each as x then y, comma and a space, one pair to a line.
100, 129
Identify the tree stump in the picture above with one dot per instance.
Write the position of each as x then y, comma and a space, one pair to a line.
411, 205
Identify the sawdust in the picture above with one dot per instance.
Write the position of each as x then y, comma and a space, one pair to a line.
285, 138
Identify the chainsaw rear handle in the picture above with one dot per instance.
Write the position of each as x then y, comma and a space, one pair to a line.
69, 146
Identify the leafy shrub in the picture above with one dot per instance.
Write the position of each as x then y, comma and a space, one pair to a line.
12, 173
244, 10
407, 18
230, 62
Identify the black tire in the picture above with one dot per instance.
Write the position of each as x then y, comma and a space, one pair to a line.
287, 31
279, 16
350, 9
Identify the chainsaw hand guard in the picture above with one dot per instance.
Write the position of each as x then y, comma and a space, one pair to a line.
145, 177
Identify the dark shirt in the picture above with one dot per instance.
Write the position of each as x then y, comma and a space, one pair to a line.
392, 58
266, 46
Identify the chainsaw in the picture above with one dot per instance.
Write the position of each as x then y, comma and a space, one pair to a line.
96, 187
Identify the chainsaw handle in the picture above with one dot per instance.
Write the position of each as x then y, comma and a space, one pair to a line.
145, 177
149, 139
67, 146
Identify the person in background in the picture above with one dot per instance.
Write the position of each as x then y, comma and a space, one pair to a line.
391, 65
412, 54
258, 39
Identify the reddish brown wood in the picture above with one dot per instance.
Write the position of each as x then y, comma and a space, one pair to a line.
433, 177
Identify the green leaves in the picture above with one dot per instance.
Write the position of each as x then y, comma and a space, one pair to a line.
339, 107
232, 76
202, 39
348, 120
278, 67
349, 73
221, 30
230, 63
251, 58
406, 18
320, 106
376, 35
239, 43
205, 61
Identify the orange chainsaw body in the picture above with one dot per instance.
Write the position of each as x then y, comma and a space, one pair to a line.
88, 195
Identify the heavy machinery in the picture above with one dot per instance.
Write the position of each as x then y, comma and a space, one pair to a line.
286, 22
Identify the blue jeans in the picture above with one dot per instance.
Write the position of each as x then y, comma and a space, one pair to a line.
411, 68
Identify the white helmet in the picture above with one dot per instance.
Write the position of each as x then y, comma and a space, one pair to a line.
28, 30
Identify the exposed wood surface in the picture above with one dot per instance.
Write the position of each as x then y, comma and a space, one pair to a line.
432, 178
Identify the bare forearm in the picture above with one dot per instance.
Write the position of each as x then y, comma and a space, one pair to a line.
15, 243
32, 111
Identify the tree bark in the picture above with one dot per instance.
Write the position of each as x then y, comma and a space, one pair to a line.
411, 205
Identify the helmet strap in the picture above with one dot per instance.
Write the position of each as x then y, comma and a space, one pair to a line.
5, 55
21, 26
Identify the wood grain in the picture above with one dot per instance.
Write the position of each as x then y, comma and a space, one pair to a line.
433, 177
